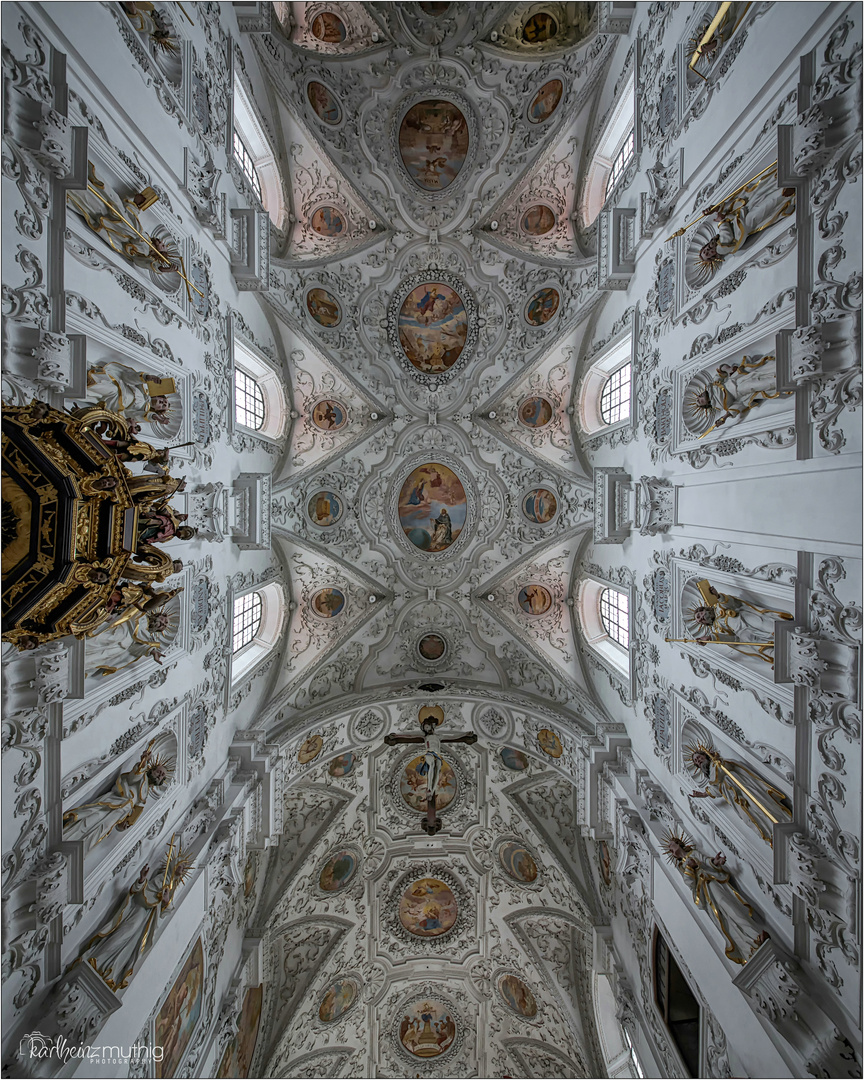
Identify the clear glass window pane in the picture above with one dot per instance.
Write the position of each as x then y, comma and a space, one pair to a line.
246, 163
615, 615
247, 619
615, 396
248, 401
622, 160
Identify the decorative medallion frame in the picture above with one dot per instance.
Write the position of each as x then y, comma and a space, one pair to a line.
414, 993
511, 838
406, 286
356, 877
457, 466
393, 786
464, 927
402, 109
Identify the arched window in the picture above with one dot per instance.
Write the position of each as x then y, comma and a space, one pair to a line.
259, 394
604, 618
247, 619
620, 162
615, 396
247, 164
615, 616
605, 393
257, 621
254, 155
248, 401
613, 153
615, 1042
677, 1005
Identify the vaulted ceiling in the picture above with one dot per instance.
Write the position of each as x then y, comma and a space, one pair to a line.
432, 269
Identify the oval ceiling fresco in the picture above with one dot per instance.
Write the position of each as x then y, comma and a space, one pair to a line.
518, 862
327, 221
518, 996
323, 307
549, 743
310, 749
342, 765
324, 104
412, 785
535, 412
328, 603
539, 28
542, 306
428, 908
329, 415
545, 101
432, 507
325, 509
337, 1000
433, 327
427, 1029
538, 220
540, 506
534, 599
433, 143
514, 759
337, 871
329, 27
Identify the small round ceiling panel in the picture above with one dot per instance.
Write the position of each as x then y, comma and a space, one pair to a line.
428, 908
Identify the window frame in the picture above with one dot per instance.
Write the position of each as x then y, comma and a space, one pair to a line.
246, 123
256, 394
625, 153
248, 658
602, 404
246, 162
663, 1011
615, 355
243, 355
616, 627
623, 120
249, 626
617, 660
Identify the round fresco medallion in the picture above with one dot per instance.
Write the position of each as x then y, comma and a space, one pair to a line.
337, 871
433, 327
535, 599
539, 28
549, 743
432, 647
538, 220
427, 1028
430, 712
342, 765
432, 507
323, 307
540, 506
329, 415
324, 104
325, 508
337, 1000
329, 27
327, 221
535, 412
518, 862
328, 603
518, 996
542, 306
514, 759
413, 785
433, 7
545, 101
433, 143
427, 908
310, 749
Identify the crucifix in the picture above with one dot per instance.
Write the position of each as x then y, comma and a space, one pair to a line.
429, 720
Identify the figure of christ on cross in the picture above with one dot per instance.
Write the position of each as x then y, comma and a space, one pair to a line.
431, 824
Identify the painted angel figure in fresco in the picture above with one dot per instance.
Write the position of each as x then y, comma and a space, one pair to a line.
759, 803
737, 389
724, 618
121, 807
115, 952
432, 764
116, 221
713, 891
